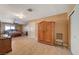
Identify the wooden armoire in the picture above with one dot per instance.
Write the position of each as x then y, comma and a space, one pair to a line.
46, 32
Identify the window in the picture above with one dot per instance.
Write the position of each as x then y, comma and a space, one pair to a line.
8, 27
12, 27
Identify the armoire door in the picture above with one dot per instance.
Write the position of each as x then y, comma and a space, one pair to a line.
46, 32
49, 34
40, 32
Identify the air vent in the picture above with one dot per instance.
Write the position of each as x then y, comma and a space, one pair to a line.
59, 35
30, 10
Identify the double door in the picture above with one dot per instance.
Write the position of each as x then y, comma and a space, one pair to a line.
46, 31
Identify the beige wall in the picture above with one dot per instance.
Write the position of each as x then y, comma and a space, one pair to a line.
61, 25
69, 32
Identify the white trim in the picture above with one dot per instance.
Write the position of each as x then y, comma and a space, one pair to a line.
71, 11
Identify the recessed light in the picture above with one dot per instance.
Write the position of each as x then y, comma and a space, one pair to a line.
20, 16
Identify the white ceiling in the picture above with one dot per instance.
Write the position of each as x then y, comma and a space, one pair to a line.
15, 11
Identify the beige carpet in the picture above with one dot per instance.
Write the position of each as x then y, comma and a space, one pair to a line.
25, 46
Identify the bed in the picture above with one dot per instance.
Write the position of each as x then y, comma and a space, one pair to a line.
13, 33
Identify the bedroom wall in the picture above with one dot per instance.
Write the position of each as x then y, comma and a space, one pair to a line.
61, 25
31, 29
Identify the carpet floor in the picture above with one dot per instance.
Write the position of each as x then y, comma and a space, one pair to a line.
27, 46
